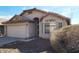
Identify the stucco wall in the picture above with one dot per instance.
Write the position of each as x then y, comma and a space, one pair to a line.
34, 14
42, 31
55, 21
31, 28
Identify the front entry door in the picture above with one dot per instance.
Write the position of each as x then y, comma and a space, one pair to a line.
36, 26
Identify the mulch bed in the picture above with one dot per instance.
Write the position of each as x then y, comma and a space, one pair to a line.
34, 46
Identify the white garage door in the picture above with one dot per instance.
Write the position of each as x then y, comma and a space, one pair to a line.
17, 31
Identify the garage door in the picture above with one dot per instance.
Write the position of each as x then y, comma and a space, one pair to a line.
17, 31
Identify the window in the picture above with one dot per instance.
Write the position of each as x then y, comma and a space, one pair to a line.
53, 26
42, 27
59, 25
47, 28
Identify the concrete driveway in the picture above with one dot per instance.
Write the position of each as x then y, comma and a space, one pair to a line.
34, 46
5, 40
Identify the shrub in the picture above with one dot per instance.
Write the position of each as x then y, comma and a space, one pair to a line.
66, 39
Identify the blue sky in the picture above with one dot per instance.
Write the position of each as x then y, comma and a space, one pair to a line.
70, 11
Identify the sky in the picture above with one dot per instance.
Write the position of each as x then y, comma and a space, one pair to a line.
72, 12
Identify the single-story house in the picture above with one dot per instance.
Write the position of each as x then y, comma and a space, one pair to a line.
34, 23
2, 33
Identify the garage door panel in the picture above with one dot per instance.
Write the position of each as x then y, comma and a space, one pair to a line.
16, 31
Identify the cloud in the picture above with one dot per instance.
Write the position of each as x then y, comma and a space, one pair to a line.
24, 8
46, 10
5, 17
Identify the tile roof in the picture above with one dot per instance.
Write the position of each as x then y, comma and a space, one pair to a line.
21, 19
18, 19
2, 20
52, 13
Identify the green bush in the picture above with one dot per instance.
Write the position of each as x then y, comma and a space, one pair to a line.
66, 39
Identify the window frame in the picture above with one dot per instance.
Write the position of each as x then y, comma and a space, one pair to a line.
47, 28
59, 24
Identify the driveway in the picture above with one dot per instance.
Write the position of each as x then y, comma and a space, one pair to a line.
33, 46
5, 40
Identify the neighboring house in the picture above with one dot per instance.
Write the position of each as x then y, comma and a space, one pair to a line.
34, 22
2, 27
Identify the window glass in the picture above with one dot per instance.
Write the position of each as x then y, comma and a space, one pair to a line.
59, 25
47, 28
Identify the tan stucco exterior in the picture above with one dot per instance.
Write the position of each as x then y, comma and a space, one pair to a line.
31, 28
34, 14
55, 21
27, 29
